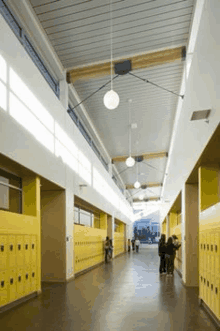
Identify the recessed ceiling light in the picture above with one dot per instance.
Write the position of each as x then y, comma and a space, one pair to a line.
134, 125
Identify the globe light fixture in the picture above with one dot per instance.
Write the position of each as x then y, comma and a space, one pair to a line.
130, 161
111, 100
137, 184
141, 197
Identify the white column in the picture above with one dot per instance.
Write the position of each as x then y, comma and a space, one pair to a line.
64, 95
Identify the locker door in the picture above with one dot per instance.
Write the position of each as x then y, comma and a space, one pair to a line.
217, 298
216, 253
20, 251
20, 283
201, 287
33, 279
27, 250
212, 253
33, 250
12, 285
3, 288
27, 280
3, 251
11, 252
212, 297
208, 293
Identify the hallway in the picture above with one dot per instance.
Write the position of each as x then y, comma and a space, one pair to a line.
126, 294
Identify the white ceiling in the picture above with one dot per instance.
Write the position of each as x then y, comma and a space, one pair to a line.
79, 32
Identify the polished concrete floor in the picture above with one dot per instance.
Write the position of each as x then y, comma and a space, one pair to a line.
126, 294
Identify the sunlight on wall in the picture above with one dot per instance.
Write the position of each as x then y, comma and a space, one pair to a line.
25, 108
23, 116
27, 97
3, 96
3, 81
3, 70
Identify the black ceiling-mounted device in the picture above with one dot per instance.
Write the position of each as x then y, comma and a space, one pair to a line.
122, 68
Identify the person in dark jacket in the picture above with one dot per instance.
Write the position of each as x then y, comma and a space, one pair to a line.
161, 253
170, 255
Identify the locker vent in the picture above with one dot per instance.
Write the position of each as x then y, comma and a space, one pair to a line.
200, 115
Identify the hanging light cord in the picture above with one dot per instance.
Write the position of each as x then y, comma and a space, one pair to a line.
129, 124
111, 42
163, 88
100, 88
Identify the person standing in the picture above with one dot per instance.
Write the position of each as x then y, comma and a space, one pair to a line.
107, 245
110, 248
137, 244
132, 242
170, 252
162, 253
129, 245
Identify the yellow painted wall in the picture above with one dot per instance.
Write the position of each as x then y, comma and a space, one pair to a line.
209, 258
88, 246
208, 187
119, 240
53, 235
20, 260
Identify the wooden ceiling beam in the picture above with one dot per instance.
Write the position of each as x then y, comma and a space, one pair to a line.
147, 199
141, 61
144, 156
143, 186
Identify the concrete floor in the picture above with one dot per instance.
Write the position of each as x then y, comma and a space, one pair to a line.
126, 294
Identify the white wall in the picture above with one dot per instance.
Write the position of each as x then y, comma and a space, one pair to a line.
20, 145
202, 92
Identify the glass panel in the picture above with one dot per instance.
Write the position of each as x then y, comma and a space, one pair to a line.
85, 218
76, 215
10, 199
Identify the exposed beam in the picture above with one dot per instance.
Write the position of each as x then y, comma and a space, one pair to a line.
137, 62
143, 186
145, 156
147, 199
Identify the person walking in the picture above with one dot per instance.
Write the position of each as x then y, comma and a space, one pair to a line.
162, 254
176, 244
129, 245
137, 244
107, 245
132, 242
170, 252
110, 250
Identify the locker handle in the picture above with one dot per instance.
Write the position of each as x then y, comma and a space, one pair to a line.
19, 278
11, 247
216, 290
26, 246
19, 247
204, 280
212, 287
212, 248
33, 274
216, 248
11, 281
2, 283
32, 246
26, 276
2, 248
201, 246
207, 247
204, 246
208, 283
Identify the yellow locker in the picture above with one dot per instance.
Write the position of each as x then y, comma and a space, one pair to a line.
212, 253
217, 298
3, 251
208, 243
12, 286
20, 251
204, 289
27, 250
3, 288
216, 253
11, 252
33, 278
20, 282
33, 250
212, 296
208, 290
201, 295
27, 280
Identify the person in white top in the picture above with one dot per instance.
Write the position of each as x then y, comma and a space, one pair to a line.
137, 244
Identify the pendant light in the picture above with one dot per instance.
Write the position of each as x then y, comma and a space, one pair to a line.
137, 183
111, 98
130, 161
